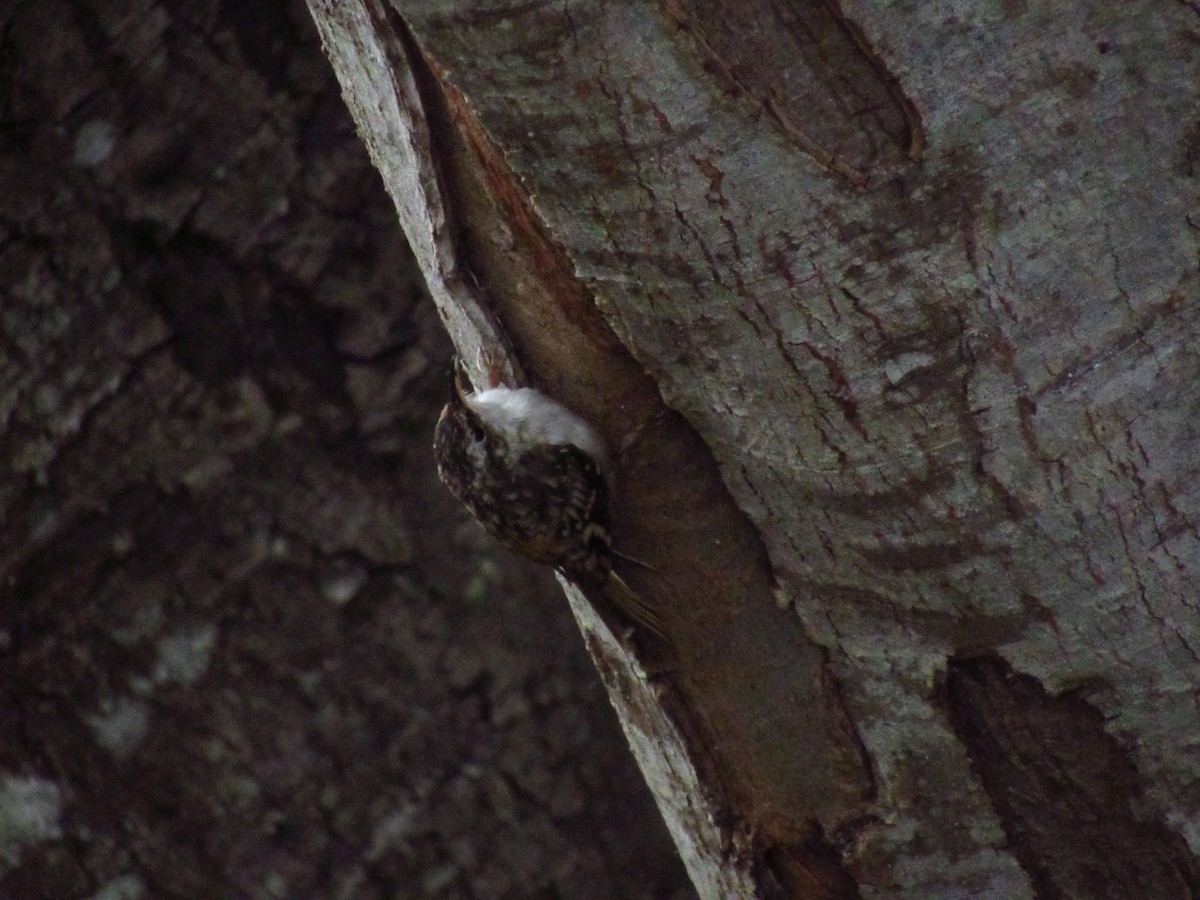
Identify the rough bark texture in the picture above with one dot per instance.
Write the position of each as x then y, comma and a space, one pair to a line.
921, 280
249, 647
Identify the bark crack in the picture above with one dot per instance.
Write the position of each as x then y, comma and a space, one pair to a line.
1067, 793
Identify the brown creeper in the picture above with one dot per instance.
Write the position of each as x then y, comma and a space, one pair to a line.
534, 474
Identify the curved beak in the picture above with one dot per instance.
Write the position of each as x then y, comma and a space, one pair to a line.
459, 376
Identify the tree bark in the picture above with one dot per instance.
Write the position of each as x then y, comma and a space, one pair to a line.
890, 310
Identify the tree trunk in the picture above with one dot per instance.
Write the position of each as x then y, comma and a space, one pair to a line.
891, 314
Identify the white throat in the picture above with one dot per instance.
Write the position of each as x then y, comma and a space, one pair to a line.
526, 417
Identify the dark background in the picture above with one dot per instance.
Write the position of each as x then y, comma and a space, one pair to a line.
249, 646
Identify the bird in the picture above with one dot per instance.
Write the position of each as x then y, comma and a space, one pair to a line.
536, 476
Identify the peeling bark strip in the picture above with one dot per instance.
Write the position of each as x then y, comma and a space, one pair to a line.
381, 82
749, 810
1068, 796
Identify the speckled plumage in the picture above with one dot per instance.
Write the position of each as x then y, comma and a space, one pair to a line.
535, 475
532, 473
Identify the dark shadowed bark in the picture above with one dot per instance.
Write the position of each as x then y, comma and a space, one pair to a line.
249, 647
890, 310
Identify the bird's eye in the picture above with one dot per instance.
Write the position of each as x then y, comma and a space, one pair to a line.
477, 432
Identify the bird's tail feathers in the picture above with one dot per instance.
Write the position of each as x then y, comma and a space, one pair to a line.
630, 605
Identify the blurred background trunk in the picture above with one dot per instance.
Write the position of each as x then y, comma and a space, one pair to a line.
249, 647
